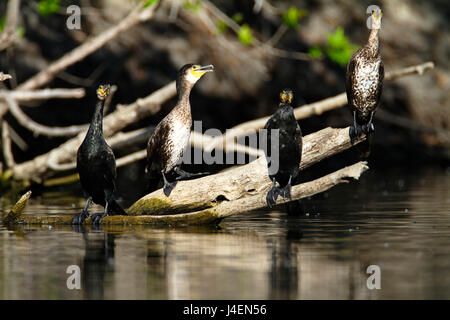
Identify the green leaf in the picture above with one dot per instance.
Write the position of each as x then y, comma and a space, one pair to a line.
238, 17
315, 52
20, 31
193, 5
292, 16
245, 35
339, 48
149, 3
2, 23
221, 27
48, 7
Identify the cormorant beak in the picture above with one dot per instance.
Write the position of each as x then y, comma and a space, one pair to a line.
198, 71
103, 91
208, 68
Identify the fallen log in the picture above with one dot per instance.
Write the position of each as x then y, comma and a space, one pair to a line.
238, 182
210, 215
16, 212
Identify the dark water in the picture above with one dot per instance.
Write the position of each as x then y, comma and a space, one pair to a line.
397, 221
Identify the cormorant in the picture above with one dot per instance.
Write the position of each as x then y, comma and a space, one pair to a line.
96, 166
289, 148
364, 81
171, 136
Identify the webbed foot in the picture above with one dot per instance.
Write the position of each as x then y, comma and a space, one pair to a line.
97, 218
368, 128
80, 217
272, 196
355, 132
286, 191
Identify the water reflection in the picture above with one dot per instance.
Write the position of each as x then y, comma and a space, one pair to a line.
399, 222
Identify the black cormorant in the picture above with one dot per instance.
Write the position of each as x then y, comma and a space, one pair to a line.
171, 136
364, 81
96, 166
289, 148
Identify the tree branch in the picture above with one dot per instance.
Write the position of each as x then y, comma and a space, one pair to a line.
136, 16
6, 143
44, 94
4, 76
210, 215
307, 110
238, 182
40, 168
35, 127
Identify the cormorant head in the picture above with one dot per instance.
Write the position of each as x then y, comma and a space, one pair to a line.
193, 72
376, 19
103, 91
286, 96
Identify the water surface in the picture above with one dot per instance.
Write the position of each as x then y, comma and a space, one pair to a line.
397, 221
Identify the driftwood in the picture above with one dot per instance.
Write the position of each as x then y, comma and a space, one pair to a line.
238, 182
61, 158
240, 189
210, 215
16, 211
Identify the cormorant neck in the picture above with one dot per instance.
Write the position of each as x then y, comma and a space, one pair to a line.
96, 126
373, 44
183, 91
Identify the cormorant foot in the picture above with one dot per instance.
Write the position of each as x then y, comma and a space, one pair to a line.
355, 132
80, 217
286, 191
368, 128
272, 196
168, 187
97, 218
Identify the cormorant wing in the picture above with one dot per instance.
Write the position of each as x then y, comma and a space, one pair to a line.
158, 137
380, 81
109, 167
349, 80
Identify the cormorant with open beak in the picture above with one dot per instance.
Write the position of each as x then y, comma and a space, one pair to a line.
289, 148
171, 137
96, 166
364, 81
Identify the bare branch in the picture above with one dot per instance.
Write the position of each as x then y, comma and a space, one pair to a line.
35, 127
239, 182
44, 94
307, 110
9, 34
4, 76
419, 69
136, 16
39, 168
6, 143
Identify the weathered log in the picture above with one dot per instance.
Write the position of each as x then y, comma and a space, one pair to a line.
15, 214
216, 214
237, 182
